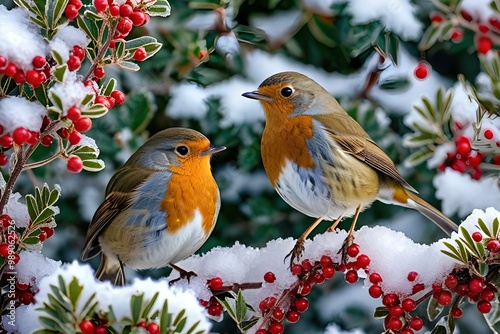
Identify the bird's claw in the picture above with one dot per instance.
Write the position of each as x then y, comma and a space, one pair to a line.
183, 274
296, 251
348, 241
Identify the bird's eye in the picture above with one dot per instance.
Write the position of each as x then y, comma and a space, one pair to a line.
182, 150
286, 92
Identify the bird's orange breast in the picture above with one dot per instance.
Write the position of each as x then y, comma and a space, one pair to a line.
286, 139
187, 193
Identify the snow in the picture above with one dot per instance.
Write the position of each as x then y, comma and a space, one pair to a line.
479, 9
33, 266
72, 36
17, 211
397, 16
487, 216
18, 112
227, 45
108, 296
461, 194
320, 7
71, 91
276, 24
335, 329
20, 39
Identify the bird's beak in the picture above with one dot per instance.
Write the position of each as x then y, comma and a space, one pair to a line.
212, 150
256, 96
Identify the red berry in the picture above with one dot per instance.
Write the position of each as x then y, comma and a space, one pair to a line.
74, 63
301, 305
126, 10
47, 140
269, 277
77, 3
100, 5
20, 136
487, 295
396, 311
375, 278
74, 137
306, 265
124, 26
267, 303
416, 323
22, 286
48, 230
474, 158
138, 18
118, 96
457, 35
421, 70
278, 314
3, 160
83, 124
42, 236
493, 246
394, 324
114, 10
459, 165
351, 276
87, 327
483, 28
293, 316
476, 285
74, 164
375, 291
477, 236
216, 283
408, 304
78, 52
74, 114
484, 44
390, 299
328, 272
215, 310
19, 77
488, 134
101, 99
462, 289
10, 70
101, 329
4, 250
363, 261
353, 250
296, 269
444, 298
406, 331
276, 328
99, 72
436, 18
71, 12
153, 328
456, 312
466, 15
451, 282
412, 276
484, 306
261, 331
304, 288
463, 145
6, 141
5, 220
325, 260
140, 54
3, 63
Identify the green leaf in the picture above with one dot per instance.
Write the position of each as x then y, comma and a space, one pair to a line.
241, 307
430, 107
396, 83
88, 25
429, 37
75, 290
87, 99
54, 10
136, 307
32, 208
493, 317
85, 152
159, 8
451, 323
433, 309
468, 241
180, 321
149, 306
439, 329
119, 50
193, 327
165, 318
452, 255
420, 139
59, 73
230, 310
128, 65
93, 165
392, 46
380, 312
95, 111
140, 108
57, 101
44, 216
496, 227
423, 154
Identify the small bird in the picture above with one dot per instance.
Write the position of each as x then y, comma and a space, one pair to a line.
322, 162
160, 206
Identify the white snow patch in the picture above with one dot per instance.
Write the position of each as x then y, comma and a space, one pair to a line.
17, 211
18, 112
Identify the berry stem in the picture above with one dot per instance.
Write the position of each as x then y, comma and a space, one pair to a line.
102, 48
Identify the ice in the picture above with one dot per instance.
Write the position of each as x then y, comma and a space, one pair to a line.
20, 39
461, 194
18, 112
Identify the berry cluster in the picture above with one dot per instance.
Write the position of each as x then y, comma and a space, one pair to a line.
214, 308
35, 76
476, 289
464, 159
8, 240
151, 328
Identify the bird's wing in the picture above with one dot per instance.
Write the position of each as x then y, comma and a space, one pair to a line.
364, 149
119, 198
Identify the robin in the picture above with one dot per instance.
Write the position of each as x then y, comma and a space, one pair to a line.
160, 206
322, 162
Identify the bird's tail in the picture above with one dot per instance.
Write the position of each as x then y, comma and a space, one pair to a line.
110, 270
432, 213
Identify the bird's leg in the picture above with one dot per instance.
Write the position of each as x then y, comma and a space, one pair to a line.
182, 274
297, 250
350, 236
334, 225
